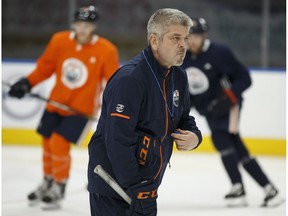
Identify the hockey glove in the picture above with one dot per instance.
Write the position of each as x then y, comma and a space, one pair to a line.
20, 88
144, 197
220, 107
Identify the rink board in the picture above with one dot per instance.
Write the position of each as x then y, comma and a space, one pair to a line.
262, 123
255, 145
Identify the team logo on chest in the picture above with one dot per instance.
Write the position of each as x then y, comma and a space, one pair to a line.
74, 73
198, 81
176, 98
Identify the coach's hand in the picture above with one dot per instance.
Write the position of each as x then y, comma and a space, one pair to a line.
185, 140
20, 88
143, 197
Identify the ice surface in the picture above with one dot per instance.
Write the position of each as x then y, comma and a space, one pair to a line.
194, 185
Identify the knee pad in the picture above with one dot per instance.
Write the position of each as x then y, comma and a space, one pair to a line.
246, 160
226, 152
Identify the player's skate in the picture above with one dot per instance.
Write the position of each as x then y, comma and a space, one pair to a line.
36, 196
53, 197
236, 197
272, 197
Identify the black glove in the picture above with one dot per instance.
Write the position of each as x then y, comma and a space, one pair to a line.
144, 197
20, 88
220, 107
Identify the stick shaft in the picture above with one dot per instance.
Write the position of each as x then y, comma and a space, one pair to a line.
112, 183
56, 104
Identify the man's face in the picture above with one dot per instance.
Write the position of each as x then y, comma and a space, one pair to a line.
195, 42
171, 49
84, 31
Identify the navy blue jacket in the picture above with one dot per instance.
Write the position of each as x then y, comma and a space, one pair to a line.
208, 68
133, 138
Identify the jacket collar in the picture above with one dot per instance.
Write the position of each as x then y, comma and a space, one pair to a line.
157, 68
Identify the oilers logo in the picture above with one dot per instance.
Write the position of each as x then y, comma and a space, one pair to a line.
176, 98
120, 108
198, 81
74, 73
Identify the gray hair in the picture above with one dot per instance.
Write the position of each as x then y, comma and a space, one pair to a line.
160, 21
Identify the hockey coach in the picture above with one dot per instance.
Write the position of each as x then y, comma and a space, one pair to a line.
145, 108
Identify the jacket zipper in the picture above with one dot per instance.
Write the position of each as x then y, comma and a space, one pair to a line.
166, 125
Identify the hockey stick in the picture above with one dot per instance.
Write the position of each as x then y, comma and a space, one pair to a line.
112, 183
56, 104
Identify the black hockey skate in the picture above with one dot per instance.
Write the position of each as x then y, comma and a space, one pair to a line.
36, 196
53, 197
236, 197
272, 197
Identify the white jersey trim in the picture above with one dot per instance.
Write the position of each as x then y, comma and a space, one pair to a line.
206, 45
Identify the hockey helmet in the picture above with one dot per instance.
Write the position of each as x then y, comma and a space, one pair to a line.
199, 25
89, 14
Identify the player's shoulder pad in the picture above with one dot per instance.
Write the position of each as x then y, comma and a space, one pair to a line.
106, 43
60, 36
221, 48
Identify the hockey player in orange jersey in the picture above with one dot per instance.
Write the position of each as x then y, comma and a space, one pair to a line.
81, 60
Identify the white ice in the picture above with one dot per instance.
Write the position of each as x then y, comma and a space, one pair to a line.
194, 185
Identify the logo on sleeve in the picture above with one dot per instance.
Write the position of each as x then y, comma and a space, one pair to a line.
92, 60
120, 108
207, 66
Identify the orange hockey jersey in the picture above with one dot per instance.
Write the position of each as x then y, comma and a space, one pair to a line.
79, 69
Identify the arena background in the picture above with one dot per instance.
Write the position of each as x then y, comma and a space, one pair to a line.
254, 30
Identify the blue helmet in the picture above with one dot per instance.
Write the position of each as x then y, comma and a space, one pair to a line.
199, 25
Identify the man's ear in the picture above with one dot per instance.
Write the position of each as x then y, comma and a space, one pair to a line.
153, 40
